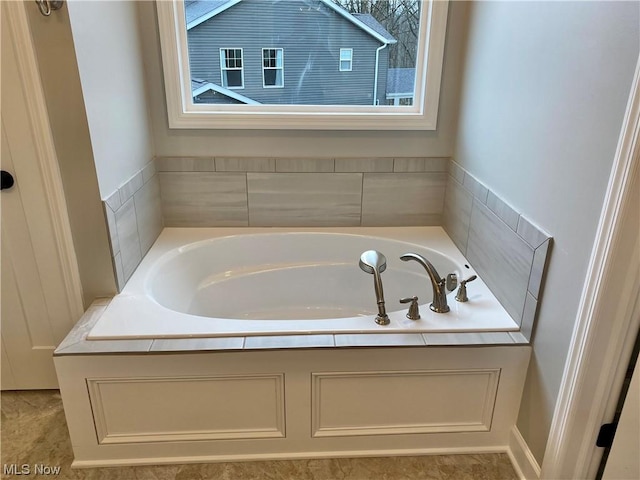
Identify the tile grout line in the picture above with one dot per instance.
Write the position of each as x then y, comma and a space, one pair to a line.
361, 198
246, 186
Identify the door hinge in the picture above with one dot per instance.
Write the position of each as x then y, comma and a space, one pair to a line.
606, 434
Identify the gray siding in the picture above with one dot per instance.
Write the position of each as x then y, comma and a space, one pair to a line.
311, 35
383, 68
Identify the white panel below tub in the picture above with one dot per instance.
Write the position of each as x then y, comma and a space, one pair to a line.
268, 370
383, 403
132, 410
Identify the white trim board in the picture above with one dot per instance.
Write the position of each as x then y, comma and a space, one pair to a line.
602, 339
522, 459
291, 456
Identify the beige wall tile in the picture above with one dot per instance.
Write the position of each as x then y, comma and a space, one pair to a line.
457, 213
113, 201
304, 199
456, 171
501, 258
148, 171
113, 230
518, 338
378, 340
403, 199
305, 165
203, 199
364, 164
185, 164
468, 338
127, 225
117, 264
149, 213
531, 234
422, 164
507, 214
130, 187
289, 341
528, 316
475, 187
106, 346
537, 269
195, 344
241, 164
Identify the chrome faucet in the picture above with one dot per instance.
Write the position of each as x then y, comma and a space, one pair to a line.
439, 304
375, 262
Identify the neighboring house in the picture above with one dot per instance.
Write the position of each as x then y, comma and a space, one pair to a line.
302, 52
400, 86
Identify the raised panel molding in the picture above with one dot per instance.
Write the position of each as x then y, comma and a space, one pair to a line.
447, 393
136, 410
403, 402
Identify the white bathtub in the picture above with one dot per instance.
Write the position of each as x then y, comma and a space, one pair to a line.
206, 282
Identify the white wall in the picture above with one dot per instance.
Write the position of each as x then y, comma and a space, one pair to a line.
107, 45
58, 69
544, 90
179, 142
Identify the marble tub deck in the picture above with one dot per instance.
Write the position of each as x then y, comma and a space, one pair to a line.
34, 431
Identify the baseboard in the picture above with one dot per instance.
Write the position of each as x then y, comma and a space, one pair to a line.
521, 457
289, 456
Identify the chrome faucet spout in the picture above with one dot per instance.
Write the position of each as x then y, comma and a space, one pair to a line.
439, 304
375, 262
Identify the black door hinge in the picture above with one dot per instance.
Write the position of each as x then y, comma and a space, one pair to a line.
606, 434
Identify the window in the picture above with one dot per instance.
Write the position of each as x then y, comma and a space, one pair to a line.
400, 45
231, 67
272, 67
346, 59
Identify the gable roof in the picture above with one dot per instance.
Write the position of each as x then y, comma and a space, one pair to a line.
200, 86
199, 11
370, 21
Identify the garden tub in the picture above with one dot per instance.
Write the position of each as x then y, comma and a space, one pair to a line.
210, 282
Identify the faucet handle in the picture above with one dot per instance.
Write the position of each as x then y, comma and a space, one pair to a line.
452, 282
461, 296
414, 312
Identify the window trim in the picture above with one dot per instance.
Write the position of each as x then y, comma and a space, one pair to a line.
183, 113
264, 85
350, 60
224, 68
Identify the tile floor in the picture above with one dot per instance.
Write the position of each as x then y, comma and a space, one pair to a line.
34, 431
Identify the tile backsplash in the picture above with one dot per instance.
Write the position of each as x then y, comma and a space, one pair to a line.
134, 220
504, 247
301, 192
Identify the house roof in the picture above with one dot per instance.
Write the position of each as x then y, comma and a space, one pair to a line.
400, 81
200, 86
370, 21
199, 11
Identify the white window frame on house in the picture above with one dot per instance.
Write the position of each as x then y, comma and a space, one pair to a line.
224, 68
281, 68
184, 113
348, 58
